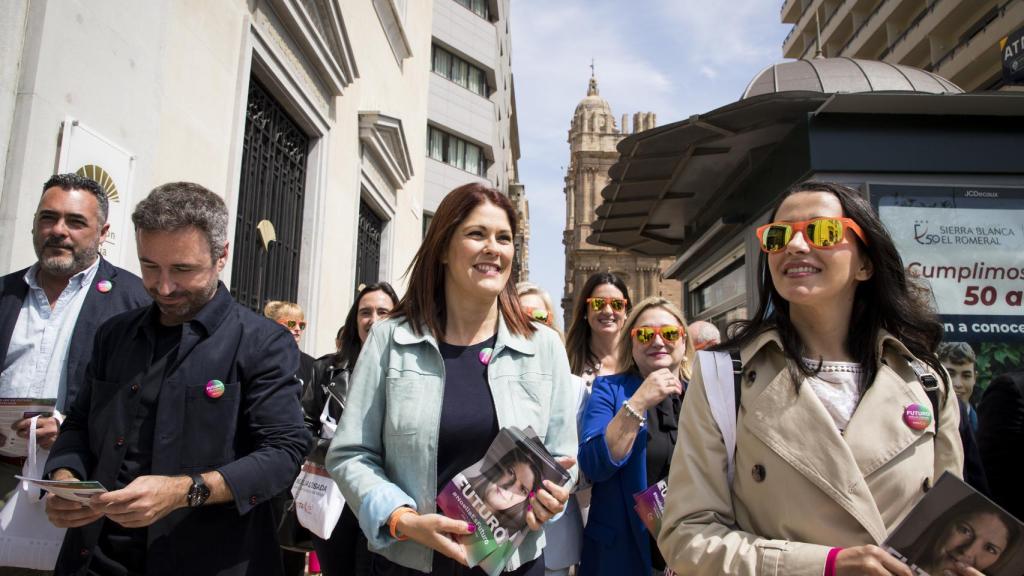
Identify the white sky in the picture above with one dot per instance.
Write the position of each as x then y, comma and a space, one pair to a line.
671, 57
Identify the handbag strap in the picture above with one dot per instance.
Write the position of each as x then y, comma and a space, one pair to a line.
721, 374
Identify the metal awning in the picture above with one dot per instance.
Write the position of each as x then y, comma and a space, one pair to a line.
672, 183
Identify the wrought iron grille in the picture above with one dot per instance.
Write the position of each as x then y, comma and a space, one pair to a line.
371, 230
272, 188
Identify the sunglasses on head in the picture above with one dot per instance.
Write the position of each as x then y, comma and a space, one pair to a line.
821, 233
645, 334
597, 303
538, 314
291, 324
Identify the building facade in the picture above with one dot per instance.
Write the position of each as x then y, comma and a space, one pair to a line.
310, 118
956, 39
593, 136
472, 132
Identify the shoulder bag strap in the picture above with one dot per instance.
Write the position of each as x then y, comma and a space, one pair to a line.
929, 382
717, 371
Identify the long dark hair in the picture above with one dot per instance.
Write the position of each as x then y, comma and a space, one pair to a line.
888, 300
351, 345
923, 551
424, 304
577, 339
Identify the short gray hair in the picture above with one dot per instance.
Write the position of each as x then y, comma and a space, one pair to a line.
705, 333
177, 205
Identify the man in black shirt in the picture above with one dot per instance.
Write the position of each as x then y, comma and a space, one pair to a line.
189, 416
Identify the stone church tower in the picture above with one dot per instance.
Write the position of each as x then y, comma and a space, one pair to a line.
593, 137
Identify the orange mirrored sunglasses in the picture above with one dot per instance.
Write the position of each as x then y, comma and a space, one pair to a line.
821, 233
538, 314
291, 324
597, 303
668, 333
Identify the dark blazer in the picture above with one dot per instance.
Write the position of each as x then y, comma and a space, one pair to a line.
252, 434
974, 472
126, 293
1000, 437
615, 540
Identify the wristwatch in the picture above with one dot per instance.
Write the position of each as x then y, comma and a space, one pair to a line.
198, 492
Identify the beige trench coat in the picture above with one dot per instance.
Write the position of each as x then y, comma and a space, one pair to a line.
800, 487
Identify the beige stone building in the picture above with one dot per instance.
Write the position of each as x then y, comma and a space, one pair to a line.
593, 136
340, 124
956, 39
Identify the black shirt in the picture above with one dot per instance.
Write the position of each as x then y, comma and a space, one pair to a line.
662, 427
469, 422
123, 550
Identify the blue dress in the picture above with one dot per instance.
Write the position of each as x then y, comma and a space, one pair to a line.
615, 541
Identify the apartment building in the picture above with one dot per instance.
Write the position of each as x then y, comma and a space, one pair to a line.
472, 134
956, 39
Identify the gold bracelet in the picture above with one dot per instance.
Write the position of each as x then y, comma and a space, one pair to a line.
640, 418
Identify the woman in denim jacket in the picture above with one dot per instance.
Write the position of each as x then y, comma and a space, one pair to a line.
456, 362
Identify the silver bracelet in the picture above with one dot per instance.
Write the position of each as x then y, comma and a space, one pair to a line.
633, 413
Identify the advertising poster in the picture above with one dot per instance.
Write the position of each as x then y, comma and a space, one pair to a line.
967, 245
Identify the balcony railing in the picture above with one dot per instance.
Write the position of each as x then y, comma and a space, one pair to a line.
823, 25
913, 24
863, 24
965, 40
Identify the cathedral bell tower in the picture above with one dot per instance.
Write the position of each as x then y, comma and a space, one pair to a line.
593, 136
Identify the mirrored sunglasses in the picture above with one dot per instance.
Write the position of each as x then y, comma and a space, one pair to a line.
291, 324
539, 315
597, 303
645, 334
821, 233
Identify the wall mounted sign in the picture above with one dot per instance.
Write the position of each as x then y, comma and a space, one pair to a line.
1011, 47
85, 152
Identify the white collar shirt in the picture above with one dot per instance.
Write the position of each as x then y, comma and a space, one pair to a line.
36, 363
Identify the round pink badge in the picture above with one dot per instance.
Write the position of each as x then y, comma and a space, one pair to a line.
917, 416
214, 389
485, 356
104, 286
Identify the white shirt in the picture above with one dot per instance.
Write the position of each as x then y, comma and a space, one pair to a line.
36, 363
838, 387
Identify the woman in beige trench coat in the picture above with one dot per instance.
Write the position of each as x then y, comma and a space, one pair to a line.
835, 436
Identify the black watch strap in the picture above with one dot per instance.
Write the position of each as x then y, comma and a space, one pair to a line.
198, 492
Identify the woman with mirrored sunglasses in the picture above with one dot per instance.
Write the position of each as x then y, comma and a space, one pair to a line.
836, 438
564, 535
593, 335
537, 305
627, 435
322, 404
291, 316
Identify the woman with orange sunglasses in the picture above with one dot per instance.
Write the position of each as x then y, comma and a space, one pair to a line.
627, 436
845, 416
593, 335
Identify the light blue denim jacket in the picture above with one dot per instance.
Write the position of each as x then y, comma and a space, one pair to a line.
384, 454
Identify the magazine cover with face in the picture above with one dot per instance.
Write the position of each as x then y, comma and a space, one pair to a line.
650, 506
954, 526
493, 493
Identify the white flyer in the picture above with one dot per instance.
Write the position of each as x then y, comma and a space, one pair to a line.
76, 490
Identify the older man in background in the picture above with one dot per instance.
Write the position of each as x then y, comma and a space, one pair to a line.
704, 334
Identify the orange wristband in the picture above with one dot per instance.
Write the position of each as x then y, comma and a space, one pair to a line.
393, 521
